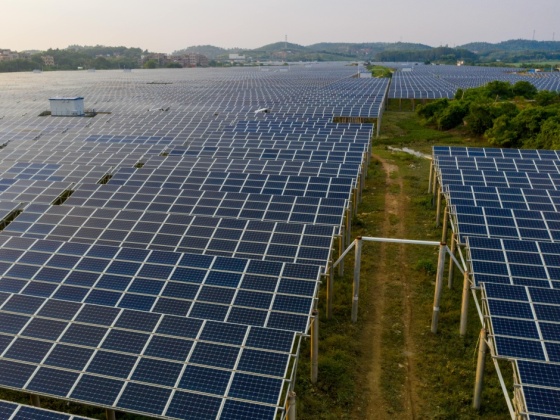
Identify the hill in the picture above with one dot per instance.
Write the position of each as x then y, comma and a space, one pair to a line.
209, 51
513, 45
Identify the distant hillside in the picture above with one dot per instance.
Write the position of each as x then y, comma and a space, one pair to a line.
439, 54
513, 45
209, 51
366, 50
279, 46
325, 51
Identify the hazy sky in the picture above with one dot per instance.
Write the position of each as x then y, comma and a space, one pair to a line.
168, 25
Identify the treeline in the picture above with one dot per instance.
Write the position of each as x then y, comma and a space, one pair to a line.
507, 115
440, 54
99, 57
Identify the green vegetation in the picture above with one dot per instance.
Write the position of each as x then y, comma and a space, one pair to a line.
380, 71
506, 115
98, 57
442, 55
394, 283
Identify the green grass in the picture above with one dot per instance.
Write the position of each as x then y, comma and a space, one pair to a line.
445, 362
380, 71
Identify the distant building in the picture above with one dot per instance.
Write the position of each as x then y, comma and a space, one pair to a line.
191, 60
236, 58
48, 60
8, 55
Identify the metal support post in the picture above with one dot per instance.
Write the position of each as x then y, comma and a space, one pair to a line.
348, 227
465, 304
430, 178
291, 406
356, 288
110, 414
444, 229
315, 346
340, 251
438, 208
35, 400
434, 187
451, 266
439, 287
330, 290
482, 349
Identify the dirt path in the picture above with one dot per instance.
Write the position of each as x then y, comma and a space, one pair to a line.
390, 276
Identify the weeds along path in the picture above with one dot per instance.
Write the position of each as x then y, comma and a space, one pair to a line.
391, 379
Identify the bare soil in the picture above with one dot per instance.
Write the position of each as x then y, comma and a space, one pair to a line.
389, 272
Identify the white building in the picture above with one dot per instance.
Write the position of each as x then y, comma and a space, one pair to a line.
67, 107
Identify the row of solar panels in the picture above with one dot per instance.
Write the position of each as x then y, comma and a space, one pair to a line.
166, 260
512, 239
435, 82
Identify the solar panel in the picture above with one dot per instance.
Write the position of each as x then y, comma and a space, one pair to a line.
503, 207
13, 411
163, 257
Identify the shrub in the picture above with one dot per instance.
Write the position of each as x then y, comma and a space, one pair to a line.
525, 89
452, 116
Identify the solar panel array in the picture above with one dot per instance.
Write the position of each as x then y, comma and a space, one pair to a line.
418, 81
504, 208
13, 411
164, 257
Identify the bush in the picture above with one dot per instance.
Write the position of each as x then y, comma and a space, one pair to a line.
452, 116
502, 133
499, 89
548, 137
481, 115
430, 110
546, 97
524, 89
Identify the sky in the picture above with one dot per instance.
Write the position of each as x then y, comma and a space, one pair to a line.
169, 25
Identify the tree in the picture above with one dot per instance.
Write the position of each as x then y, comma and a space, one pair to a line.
430, 111
502, 133
549, 136
546, 97
452, 115
524, 89
497, 88
150, 64
174, 65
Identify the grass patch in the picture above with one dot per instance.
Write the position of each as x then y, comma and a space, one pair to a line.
444, 363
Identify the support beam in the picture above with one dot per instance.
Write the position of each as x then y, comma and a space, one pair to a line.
291, 406
444, 228
438, 208
340, 251
315, 346
439, 286
434, 187
110, 414
431, 175
35, 400
465, 304
330, 290
451, 273
482, 350
356, 288
348, 227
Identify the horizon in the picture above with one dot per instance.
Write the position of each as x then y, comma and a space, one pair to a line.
31, 25
278, 42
